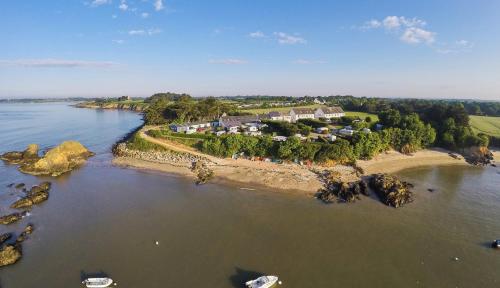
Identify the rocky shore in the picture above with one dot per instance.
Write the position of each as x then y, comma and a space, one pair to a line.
391, 190
58, 160
11, 252
135, 107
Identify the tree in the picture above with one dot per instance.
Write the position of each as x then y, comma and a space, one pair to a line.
287, 149
390, 118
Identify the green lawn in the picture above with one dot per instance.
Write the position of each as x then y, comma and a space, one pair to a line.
486, 125
362, 115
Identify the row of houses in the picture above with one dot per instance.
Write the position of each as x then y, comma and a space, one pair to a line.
253, 123
296, 114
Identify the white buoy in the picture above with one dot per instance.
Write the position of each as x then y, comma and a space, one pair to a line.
157, 243
279, 282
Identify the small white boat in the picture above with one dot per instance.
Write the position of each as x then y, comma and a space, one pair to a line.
263, 282
98, 282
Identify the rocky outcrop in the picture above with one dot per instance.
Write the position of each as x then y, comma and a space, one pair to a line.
391, 190
20, 157
36, 195
136, 107
58, 160
335, 190
9, 255
169, 157
203, 173
478, 155
24, 235
11, 218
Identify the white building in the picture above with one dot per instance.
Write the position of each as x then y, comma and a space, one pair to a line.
301, 113
279, 116
329, 112
345, 131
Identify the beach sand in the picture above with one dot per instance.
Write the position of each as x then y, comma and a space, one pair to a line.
289, 178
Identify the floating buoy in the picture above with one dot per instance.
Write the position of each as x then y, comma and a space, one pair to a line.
279, 282
157, 243
456, 258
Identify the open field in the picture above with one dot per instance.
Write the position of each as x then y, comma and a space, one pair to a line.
362, 115
486, 125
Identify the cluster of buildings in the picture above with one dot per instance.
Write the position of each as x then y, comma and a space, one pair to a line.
252, 124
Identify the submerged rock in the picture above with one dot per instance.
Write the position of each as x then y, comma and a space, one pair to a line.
24, 235
37, 194
10, 255
20, 185
11, 218
391, 190
4, 237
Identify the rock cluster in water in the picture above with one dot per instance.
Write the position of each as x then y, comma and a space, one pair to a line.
203, 173
478, 155
10, 253
391, 190
57, 161
36, 195
335, 190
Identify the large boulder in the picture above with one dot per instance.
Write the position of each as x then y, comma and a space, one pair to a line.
477, 155
58, 160
18, 157
24, 235
10, 255
336, 190
391, 190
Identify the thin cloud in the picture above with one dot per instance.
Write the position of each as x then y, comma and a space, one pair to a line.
257, 34
284, 38
308, 62
142, 32
144, 15
415, 35
123, 5
228, 61
158, 4
57, 63
96, 3
118, 41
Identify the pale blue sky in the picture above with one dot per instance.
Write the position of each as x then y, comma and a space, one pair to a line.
384, 48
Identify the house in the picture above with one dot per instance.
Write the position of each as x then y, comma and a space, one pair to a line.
232, 129
124, 98
179, 128
332, 137
348, 132
279, 116
229, 121
319, 101
321, 130
279, 138
301, 113
329, 112
220, 133
253, 133
200, 124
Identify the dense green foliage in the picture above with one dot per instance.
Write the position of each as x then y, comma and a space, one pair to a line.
184, 109
286, 128
136, 142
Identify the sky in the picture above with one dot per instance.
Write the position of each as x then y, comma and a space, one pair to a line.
374, 48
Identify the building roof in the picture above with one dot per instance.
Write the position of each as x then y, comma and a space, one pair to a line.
303, 110
332, 110
238, 120
275, 114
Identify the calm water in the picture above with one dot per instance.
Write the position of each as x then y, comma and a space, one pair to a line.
106, 219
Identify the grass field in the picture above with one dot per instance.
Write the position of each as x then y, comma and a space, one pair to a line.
361, 115
486, 125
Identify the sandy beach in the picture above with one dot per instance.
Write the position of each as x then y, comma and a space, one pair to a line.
289, 178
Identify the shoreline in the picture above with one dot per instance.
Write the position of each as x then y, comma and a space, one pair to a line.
286, 178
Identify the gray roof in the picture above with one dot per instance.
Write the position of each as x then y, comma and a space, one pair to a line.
332, 110
275, 114
303, 110
238, 120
